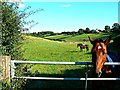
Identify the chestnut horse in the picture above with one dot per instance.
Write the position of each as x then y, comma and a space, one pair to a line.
100, 55
83, 47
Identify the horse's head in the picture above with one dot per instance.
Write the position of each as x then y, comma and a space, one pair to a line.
99, 51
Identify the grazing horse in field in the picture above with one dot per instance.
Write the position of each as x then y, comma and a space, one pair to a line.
100, 55
83, 47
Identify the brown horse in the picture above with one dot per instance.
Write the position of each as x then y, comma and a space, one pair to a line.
83, 47
100, 55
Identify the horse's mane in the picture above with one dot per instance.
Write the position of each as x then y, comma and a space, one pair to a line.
98, 40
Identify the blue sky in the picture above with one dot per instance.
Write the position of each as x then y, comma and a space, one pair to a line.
71, 16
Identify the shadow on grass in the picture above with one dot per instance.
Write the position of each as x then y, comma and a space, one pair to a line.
60, 84
66, 84
88, 52
74, 51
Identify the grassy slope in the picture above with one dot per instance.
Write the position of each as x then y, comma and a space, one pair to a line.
77, 38
42, 49
46, 50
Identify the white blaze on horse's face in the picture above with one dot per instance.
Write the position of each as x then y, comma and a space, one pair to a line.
99, 47
99, 51
102, 47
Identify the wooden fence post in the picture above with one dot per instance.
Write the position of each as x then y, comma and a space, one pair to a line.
5, 67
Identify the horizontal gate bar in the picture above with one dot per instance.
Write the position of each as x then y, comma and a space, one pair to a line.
54, 78
49, 62
63, 63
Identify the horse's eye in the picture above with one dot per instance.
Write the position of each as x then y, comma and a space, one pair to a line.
99, 47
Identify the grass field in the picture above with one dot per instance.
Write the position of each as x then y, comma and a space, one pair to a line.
77, 38
48, 50
42, 49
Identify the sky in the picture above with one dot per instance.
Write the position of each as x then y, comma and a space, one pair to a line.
71, 16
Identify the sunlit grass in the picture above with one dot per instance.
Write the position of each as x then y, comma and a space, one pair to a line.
39, 49
46, 50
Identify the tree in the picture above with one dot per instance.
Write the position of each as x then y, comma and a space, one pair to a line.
13, 22
107, 28
116, 27
11, 33
80, 31
11, 36
87, 30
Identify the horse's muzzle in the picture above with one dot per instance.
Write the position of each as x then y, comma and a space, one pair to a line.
99, 73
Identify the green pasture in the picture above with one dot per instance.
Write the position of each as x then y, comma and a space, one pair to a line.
48, 50
45, 50
77, 38
39, 49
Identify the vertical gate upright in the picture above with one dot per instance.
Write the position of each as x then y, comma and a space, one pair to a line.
5, 67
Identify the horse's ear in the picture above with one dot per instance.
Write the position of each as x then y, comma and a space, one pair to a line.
91, 40
107, 41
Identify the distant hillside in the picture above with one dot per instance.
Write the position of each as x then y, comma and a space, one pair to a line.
76, 38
